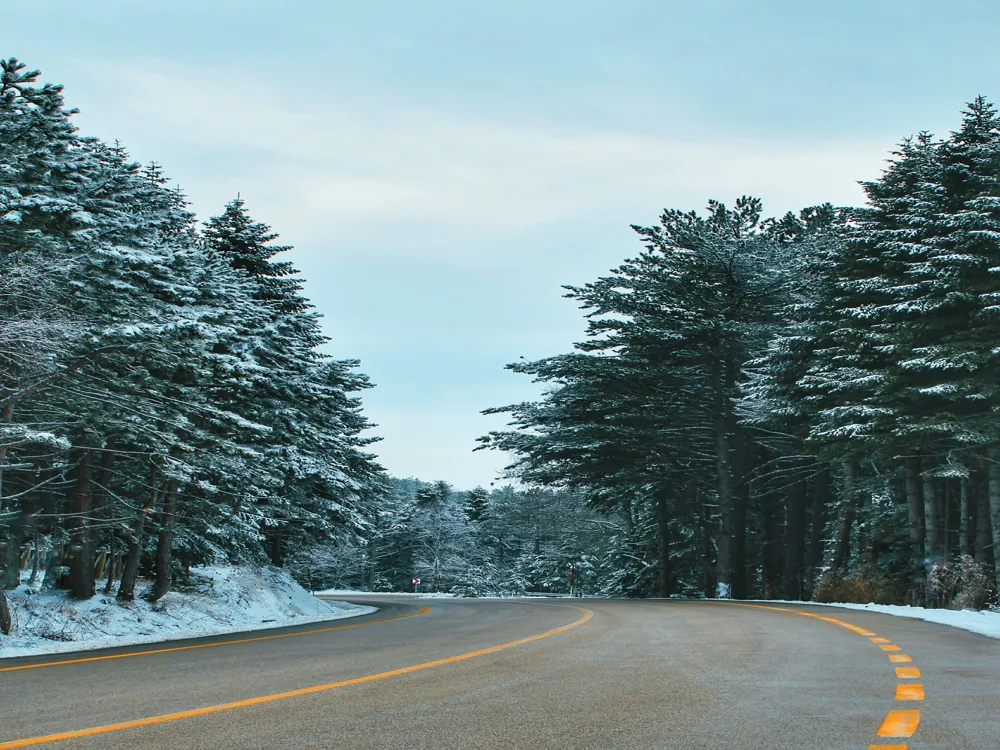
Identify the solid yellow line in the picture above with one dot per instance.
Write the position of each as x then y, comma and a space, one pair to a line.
421, 611
887, 747
44, 739
909, 691
896, 724
907, 672
832, 620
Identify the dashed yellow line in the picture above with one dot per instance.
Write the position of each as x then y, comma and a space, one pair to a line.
909, 691
421, 611
900, 723
163, 718
897, 723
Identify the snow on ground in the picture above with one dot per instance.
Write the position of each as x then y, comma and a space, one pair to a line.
407, 595
223, 599
984, 622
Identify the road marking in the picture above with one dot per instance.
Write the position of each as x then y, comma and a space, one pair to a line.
421, 611
833, 620
896, 724
909, 691
45, 739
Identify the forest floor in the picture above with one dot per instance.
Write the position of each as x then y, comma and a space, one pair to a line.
219, 599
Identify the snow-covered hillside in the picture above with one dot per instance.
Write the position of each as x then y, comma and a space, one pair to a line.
225, 599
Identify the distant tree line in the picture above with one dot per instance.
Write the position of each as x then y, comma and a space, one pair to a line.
164, 400
800, 407
499, 542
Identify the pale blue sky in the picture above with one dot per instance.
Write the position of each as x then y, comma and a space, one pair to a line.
443, 166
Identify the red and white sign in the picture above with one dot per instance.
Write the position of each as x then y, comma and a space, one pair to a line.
416, 581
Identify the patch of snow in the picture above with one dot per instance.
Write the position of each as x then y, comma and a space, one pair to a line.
408, 595
226, 599
984, 622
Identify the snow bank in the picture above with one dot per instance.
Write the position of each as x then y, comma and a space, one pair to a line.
983, 622
225, 599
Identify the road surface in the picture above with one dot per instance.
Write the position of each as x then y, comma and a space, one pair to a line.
552, 673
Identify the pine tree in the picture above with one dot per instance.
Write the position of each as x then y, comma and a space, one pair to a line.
477, 504
323, 482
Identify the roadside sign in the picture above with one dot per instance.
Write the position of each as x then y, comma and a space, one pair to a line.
416, 581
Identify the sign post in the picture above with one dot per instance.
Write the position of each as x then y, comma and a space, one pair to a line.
416, 582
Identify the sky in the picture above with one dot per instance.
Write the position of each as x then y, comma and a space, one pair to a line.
443, 167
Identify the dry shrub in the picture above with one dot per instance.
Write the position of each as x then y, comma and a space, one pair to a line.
860, 586
963, 584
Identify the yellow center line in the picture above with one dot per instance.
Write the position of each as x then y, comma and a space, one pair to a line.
255, 639
896, 724
909, 691
832, 620
44, 739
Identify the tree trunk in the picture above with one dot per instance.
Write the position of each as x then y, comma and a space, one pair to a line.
130, 569
845, 524
10, 555
724, 560
772, 519
6, 621
50, 578
9, 539
817, 525
932, 515
106, 511
81, 568
963, 518
663, 526
994, 505
795, 539
36, 562
984, 534
738, 578
164, 543
915, 521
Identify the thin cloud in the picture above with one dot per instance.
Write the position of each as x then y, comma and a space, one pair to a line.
333, 167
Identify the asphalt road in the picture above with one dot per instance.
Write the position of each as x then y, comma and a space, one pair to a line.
579, 673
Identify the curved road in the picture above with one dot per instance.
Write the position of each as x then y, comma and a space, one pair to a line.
579, 673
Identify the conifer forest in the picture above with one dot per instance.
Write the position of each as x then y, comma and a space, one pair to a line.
798, 407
